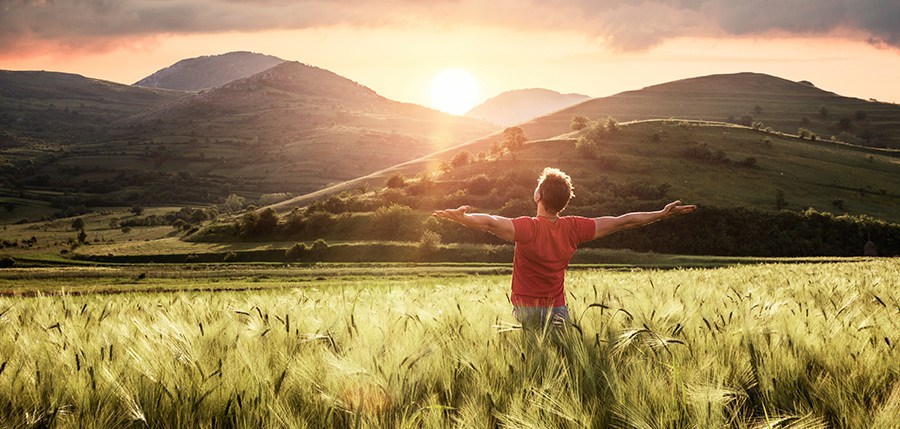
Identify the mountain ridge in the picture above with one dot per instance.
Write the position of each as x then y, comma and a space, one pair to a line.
209, 71
515, 106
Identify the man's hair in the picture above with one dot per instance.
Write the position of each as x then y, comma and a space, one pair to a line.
555, 189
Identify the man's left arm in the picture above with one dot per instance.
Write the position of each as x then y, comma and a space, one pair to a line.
610, 224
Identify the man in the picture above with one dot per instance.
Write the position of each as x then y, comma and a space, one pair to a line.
545, 244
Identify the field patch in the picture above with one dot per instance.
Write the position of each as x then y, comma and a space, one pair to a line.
436, 346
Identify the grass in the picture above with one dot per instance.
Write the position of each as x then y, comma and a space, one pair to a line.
756, 346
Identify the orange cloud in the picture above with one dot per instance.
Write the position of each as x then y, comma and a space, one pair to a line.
90, 24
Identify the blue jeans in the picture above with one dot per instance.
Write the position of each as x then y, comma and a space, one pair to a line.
539, 317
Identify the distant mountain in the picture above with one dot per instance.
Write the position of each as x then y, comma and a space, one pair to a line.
209, 71
49, 107
292, 128
750, 99
513, 107
295, 128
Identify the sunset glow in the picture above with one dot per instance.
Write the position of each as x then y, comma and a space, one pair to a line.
454, 91
397, 48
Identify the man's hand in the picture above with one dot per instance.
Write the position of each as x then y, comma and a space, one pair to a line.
675, 208
456, 215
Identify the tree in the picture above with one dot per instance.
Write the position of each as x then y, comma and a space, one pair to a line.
579, 123
296, 252
429, 243
612, 125
78, 223
267, 222
514, 138
780, 201
137, 209
233, 203
845, 124
462, 158
823, 112
396, 181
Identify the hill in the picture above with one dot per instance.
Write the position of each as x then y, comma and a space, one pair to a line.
700, 99
759, 193
291, 129
47, 116
209, 71
514, 107
750, 99
53, 107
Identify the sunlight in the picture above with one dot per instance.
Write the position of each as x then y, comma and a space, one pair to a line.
454, 91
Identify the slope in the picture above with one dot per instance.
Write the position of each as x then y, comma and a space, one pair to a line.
744, 98
702, 98
513, 107
209, 71
65, 108
291, 129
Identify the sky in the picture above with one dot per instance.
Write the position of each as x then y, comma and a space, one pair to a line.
398, 47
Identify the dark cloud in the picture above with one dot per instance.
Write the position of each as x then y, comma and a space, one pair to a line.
625, 25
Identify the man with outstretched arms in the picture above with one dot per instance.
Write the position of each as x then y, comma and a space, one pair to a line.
545, 244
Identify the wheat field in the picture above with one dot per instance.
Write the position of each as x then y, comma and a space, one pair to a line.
762, 346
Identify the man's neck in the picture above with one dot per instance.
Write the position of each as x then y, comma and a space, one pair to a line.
541, 212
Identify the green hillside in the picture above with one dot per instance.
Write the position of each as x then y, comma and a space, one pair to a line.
778, 107
710, 164
50, 108
289, 130
759, 193
743, 98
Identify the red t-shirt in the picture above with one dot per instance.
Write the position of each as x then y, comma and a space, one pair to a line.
543, 250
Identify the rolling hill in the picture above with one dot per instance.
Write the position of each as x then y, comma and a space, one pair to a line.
513, 107
206, 72
290, 129
746, 99
709, 100
51, 107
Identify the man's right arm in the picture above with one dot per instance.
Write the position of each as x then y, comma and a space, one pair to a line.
500, 226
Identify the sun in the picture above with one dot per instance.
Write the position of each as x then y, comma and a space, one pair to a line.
454, 91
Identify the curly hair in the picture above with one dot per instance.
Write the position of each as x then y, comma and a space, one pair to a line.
555, 189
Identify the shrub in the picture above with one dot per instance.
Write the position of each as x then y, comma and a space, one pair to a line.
612, 125
579, 123
804, 133
514, 138
462, 158
269, 199
429, 242
387, 221
267, 222
479, 185
298, 251
517, 207
319, 245
396, 181
748, 162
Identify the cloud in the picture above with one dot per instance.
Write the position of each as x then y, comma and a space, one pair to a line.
623, 25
